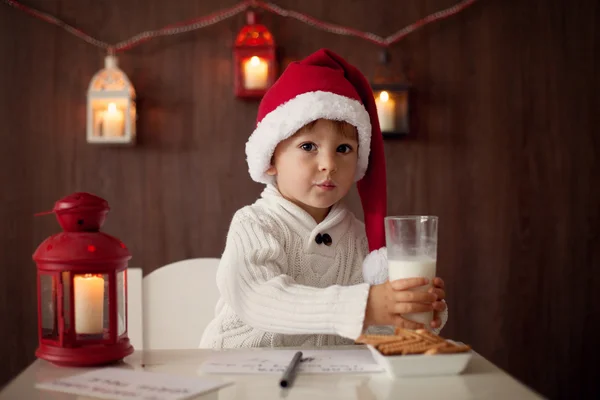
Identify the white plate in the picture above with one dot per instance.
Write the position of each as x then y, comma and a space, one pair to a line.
421, 364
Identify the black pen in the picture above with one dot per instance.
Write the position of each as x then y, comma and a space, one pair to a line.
290, 373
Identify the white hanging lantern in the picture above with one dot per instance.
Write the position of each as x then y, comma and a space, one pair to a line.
111, 113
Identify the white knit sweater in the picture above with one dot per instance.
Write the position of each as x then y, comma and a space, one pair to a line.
279, 287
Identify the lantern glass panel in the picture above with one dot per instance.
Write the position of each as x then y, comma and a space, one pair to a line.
90, 298
109, 117
48, 306
66, 281
255, 71
121, 302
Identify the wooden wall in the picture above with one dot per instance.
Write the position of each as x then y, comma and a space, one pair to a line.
507, 154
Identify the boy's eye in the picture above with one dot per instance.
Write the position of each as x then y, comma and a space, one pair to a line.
344, 148
307, 146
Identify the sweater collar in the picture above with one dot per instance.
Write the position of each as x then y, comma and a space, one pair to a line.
299, 217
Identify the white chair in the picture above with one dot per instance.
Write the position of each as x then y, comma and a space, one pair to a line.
179, 301
134, 308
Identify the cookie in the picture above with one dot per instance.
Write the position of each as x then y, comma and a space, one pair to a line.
399, 346
429, 336
377, 339
406, 341
452, 349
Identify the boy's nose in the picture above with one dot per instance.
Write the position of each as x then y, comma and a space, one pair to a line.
327, 163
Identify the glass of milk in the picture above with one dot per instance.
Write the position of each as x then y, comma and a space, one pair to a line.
412, 252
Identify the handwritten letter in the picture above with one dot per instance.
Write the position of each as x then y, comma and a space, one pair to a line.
121, 384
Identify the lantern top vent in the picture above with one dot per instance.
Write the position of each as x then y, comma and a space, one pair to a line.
81, 215
111, 81
254, 34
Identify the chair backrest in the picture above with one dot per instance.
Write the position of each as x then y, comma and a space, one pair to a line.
179, 301
135, 326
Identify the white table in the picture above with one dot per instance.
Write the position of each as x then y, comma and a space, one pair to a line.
481, 380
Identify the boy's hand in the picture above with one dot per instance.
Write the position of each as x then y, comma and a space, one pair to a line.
438, 305
388, 301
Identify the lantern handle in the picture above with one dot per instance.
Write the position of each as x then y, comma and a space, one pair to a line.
384, 56
43, 213
385, 72
250, 17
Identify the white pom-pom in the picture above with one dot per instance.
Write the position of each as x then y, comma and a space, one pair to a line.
375, 267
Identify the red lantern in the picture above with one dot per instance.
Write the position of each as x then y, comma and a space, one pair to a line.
254, 60
82, 287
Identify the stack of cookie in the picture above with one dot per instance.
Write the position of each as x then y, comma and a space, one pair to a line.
405, 341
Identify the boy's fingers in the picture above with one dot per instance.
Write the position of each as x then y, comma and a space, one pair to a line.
408, 283
439, 305
441, 294
439, 282
407, 324
436, 323
409, 308
414, 297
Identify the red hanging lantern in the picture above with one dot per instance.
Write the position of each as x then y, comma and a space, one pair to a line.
254, 59
82, 287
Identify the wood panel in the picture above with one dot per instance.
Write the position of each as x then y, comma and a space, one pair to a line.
505, 152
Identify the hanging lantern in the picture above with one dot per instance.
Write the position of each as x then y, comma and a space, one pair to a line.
392, 108
392, 98
82, 287
254, 60
111, 113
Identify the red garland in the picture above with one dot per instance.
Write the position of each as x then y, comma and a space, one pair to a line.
211, 19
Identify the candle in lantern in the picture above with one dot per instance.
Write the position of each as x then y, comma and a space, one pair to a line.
386, 112
89, 303
256, 72
112, 121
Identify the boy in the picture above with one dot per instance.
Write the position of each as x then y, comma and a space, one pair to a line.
292, 270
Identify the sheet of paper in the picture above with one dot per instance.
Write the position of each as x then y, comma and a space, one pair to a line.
121, 384
276, 361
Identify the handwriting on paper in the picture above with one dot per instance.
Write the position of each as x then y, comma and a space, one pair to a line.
120, 384
276, 361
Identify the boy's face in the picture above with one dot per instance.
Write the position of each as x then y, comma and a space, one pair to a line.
315, 168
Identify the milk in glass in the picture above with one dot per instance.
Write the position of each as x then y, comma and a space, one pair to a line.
417, 267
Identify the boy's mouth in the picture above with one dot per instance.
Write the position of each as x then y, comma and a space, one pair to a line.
327, 185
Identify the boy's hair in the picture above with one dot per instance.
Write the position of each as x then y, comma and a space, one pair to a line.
347, 130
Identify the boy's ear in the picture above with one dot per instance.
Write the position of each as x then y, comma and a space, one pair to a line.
272, 171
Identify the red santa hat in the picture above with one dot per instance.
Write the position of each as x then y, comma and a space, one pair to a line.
324, 85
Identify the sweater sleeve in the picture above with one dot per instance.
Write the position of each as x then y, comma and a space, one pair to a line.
252, 281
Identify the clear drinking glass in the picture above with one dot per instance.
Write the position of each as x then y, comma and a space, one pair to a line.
412, 252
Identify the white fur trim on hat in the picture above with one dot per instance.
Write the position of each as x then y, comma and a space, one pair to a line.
289, 117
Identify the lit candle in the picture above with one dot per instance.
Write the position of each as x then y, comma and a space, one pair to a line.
256, 71
89, 303
386, 112
112, 121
